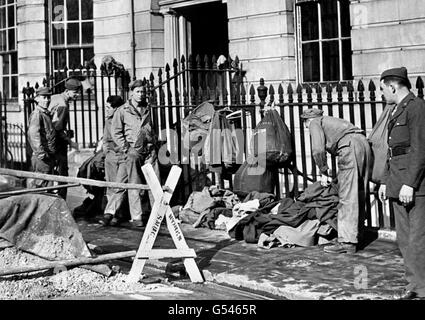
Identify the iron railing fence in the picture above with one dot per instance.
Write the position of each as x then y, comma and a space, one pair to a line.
175, 91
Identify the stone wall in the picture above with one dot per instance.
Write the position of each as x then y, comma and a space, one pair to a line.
262, 35
112, 33
112, 30
386, 34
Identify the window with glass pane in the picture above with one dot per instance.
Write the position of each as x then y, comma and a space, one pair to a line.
324, 39
8, 53
71, 33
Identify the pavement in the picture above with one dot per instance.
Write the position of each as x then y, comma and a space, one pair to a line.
373, 273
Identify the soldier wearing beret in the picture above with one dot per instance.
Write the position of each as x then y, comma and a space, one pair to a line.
41, 137
59, 108
136, 141
404, 182
344, 140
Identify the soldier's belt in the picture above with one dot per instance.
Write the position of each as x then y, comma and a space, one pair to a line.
398, 151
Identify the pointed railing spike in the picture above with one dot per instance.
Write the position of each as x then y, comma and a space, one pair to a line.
318, 88
350, 87
280, 89
290, 90
190, 62
419, 83
198, 61
243, 90
360, 86
308, 89
206, 62
372, 86
299, 89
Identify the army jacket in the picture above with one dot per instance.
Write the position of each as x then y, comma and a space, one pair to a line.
325, 133
406, 131
59, 108
133, 129
41, 134
108, 141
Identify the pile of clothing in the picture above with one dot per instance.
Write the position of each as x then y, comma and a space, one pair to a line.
259, 218
204, 208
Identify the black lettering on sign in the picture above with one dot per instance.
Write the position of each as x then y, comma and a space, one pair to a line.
156, 226
175, 227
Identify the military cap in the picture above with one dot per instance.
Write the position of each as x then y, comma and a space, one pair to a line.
115, 101
312, 113
73, 84
135, 84
43, 91
399, 73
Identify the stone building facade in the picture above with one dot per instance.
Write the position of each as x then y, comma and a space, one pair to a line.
278, 40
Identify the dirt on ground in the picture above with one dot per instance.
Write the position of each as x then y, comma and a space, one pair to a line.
53, 246
42, 285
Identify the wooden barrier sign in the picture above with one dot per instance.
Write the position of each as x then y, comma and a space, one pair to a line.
161, 209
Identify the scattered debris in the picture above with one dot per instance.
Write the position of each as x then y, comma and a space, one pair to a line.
62, 283
55, 247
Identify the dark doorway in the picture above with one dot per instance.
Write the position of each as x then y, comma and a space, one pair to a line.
209, 29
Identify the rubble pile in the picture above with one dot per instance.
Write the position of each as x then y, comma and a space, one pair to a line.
59, 283
54, 246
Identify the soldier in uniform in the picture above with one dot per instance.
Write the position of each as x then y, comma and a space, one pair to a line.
136, 140
344, 140
404, 182
41, 137
111, 151
59, 108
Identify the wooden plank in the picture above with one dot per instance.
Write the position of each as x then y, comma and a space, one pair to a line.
83, 181
167, 253
180, 242
157, 215
38, 190
152, 181
161, 208
69, 263
148, 239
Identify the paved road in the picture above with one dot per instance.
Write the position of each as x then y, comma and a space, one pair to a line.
174, 289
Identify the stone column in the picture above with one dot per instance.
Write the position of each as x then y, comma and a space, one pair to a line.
171, 36
32, 42
183, 38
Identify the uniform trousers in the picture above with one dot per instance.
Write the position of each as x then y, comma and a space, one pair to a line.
410, 228
353, 158
130, 171
61, 159
42, 166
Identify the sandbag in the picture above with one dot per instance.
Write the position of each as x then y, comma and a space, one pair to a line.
378, 140
252, 177
278, 147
